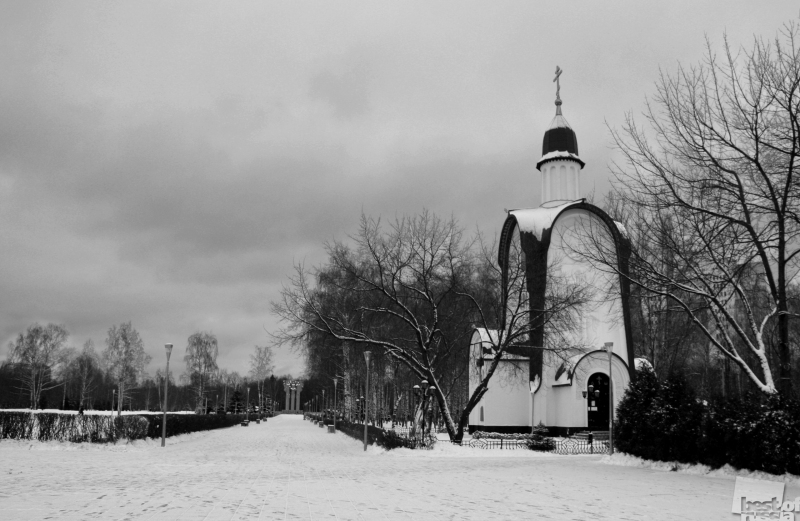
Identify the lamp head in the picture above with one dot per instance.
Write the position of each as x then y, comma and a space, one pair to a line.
608, 346
168, 347
367, 354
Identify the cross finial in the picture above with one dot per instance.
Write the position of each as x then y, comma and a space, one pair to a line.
558, 89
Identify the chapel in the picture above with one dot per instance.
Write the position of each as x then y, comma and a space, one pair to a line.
572, 309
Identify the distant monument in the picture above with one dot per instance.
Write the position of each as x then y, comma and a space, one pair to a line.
292, 388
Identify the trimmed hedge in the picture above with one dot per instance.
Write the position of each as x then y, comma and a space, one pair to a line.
70, 427
186, 423
92, 428
666, 422
387, 439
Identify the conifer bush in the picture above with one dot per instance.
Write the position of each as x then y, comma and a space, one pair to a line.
665, 421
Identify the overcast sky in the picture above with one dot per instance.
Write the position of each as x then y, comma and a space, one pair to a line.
166, 163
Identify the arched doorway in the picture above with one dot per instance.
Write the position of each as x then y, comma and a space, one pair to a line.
597, 406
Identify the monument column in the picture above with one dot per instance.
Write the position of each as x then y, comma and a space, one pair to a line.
299, 389
288, 391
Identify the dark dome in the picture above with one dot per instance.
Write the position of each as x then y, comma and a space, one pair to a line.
560, 138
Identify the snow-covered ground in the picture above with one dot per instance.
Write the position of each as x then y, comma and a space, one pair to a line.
291, 469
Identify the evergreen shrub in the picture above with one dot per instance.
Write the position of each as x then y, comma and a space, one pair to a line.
664, 421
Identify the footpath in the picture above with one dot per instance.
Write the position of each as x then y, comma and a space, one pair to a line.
288, 468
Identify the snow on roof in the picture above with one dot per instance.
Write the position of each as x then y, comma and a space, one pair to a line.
641, 363
622, 229
537, 220
559, 154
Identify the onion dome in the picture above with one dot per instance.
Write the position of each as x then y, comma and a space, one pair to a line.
560, 141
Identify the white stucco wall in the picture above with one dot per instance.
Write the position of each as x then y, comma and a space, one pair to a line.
507, 401
602, 320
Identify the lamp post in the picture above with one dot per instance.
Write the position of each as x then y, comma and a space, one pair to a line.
247, 403
334, 404
610, 349
168, 348
367, 355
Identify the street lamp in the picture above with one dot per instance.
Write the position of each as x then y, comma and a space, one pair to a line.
590, 392
609, 346
334, 404
367, 355
168, 348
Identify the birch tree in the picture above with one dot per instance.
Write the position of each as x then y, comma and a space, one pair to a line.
125, 359
36, 353
260, 368
201, 361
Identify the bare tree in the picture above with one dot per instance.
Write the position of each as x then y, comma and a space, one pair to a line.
201, 361
85, 368
125, 359
37, 352
714, 177
260, 368
416, 293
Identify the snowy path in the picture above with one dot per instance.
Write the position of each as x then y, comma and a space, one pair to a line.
291, 469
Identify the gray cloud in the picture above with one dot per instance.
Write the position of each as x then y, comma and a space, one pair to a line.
168, 163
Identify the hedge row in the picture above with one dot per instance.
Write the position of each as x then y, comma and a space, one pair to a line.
78, 428
186, 423
71, 427
666, 422
387, 439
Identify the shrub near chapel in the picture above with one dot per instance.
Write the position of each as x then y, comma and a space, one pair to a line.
666, 422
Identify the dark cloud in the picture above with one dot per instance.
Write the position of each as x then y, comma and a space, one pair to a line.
169, 163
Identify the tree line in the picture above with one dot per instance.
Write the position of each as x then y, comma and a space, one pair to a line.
43, 371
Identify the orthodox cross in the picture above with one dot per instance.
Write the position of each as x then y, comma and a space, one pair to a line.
558, 83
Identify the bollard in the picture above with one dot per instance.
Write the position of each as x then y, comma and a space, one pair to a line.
331, 429
321, 424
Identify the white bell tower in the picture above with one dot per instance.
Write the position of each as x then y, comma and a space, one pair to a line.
560, 165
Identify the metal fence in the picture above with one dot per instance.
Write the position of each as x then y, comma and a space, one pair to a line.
580, 446
567, 446
493, 443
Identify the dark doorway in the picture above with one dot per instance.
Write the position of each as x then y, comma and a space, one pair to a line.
598, 405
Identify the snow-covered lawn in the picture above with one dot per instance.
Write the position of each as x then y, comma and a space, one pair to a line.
291, 469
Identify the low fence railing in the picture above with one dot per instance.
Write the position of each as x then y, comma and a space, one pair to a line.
493, 443
580, 446
400, 435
